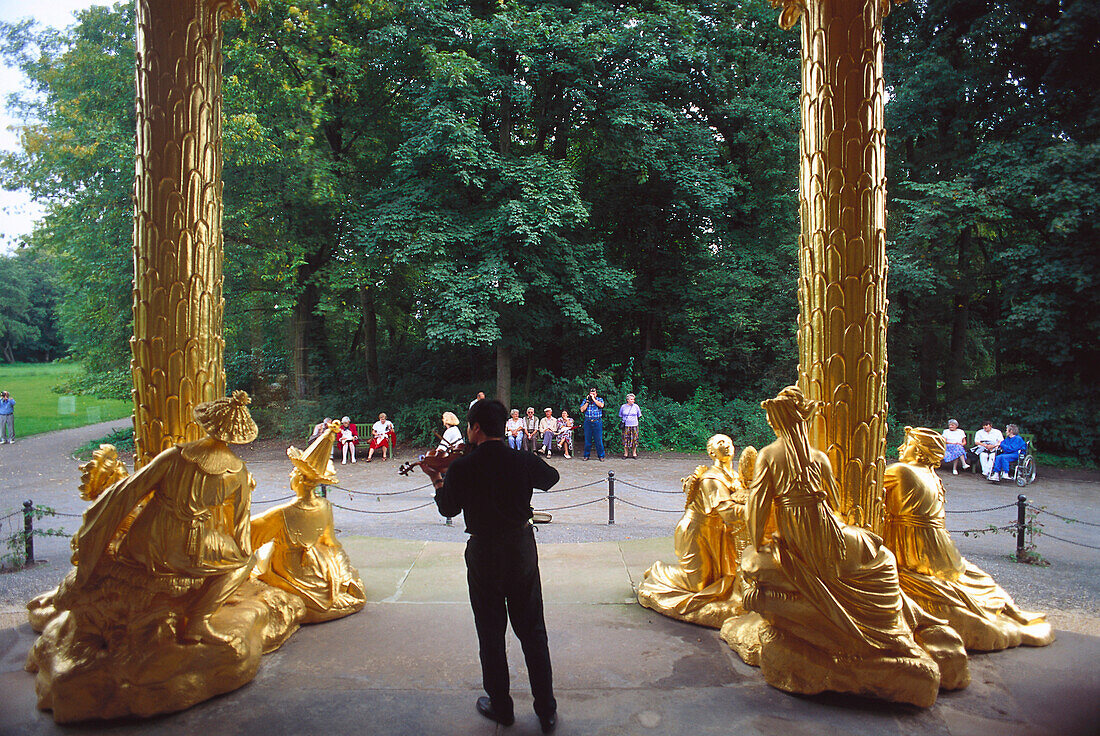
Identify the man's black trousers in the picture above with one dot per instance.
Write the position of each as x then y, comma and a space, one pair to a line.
503, 573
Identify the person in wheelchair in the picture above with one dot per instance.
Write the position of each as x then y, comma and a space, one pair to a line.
1011, 449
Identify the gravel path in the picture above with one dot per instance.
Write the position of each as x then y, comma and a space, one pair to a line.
374, 500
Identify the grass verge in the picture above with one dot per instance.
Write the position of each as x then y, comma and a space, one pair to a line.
38, 409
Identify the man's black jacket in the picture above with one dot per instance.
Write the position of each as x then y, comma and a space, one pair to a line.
492, 486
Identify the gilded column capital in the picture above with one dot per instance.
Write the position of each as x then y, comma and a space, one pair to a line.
792, 10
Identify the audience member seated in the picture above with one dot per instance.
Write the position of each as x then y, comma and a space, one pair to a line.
452, 435
382, 436
1011, 448
513, 430
564, 434
319, 428
348, 438
548, 427
530, 430
986, 442
956, 446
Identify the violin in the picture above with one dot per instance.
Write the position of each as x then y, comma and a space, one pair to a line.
437, 460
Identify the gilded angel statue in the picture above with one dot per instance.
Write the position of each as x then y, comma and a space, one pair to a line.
931, 570
703, 587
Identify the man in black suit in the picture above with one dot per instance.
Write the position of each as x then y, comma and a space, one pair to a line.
492, 487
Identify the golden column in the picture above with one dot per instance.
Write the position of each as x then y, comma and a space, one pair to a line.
842, 244
178, 348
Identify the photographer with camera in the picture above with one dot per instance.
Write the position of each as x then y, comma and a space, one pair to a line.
592, 409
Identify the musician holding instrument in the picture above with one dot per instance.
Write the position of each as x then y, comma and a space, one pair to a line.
491, 486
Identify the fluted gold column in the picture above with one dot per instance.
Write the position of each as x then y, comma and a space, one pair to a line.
178, 348
842, 245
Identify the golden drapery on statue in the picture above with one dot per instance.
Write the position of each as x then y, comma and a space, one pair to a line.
296, 543
830, 612
932, 571
703, 588
158, 613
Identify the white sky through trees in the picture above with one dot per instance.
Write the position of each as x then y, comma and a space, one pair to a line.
17, 212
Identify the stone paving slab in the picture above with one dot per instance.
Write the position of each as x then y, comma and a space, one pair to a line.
407, 664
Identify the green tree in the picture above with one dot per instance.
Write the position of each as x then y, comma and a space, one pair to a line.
76, 158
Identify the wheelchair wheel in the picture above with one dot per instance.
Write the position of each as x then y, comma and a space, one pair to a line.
1025, 473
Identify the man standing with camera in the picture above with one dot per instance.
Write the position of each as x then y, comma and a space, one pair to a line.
492, 488
592, 409
7, 418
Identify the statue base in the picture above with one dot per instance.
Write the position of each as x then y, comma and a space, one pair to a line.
794, 665
88, 670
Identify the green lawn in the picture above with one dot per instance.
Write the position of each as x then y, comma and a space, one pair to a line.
38, 409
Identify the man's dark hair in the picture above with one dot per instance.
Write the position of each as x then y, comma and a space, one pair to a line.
490, 415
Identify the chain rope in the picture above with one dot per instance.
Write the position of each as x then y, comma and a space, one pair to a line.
643, 488
1039, 510
982, 511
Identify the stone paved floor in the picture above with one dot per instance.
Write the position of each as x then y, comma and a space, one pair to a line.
408, 664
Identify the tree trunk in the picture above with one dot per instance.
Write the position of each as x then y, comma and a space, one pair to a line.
530, 373
370, 337
953, 373
504, 375
929, 362
557, 338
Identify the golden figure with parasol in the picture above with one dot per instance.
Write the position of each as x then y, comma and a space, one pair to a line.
296, 546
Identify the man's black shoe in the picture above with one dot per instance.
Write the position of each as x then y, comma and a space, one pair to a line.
485, 708
548, 723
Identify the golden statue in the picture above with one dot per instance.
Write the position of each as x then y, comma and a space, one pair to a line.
139, 626
703, 588
932, 571
831, 612
296, 544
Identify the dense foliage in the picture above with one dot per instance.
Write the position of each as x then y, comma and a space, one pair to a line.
427, 199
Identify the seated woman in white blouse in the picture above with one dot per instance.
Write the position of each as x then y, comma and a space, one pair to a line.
956, 446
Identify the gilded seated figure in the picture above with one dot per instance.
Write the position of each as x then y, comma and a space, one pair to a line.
182, 518
703, 588
159, 612
932, 571
296, 543
831, 614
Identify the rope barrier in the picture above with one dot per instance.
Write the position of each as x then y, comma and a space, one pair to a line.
71, 516
986, 529
1040, 510
574, 505
396, 511
1067, 541
649, 508
381, 493
575, 488
274, 500
982, 511
643, 488
18, 512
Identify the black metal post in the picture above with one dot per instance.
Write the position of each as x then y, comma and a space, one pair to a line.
611, 497
28, 530
1021, 521
322, 491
